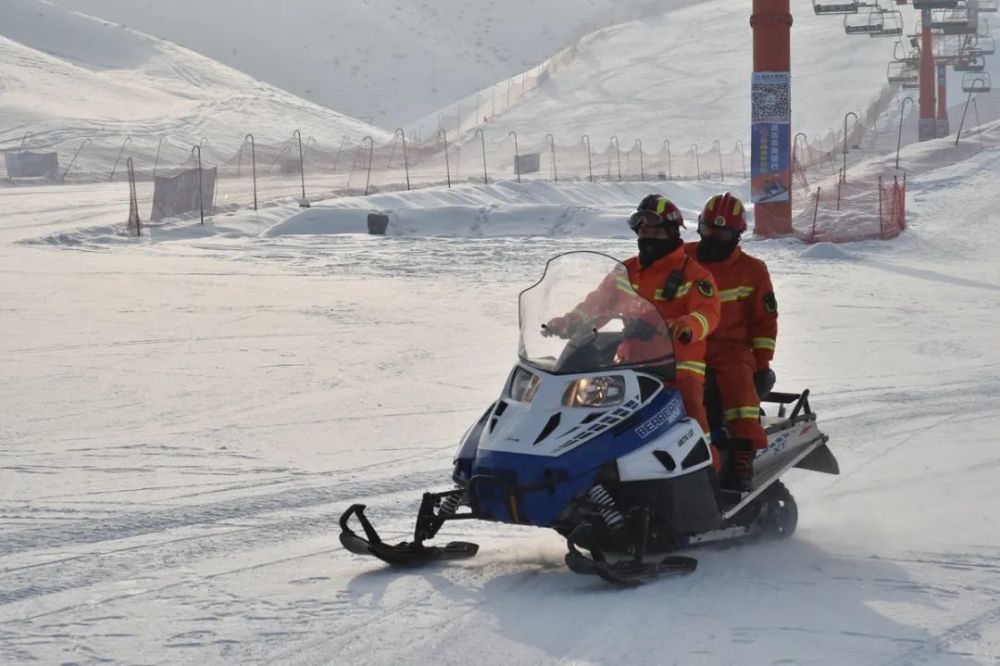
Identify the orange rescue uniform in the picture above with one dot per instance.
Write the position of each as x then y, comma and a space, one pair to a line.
695, 305
744, 341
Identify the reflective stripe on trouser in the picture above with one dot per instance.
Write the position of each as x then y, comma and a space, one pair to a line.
734, 367
742, 413
692, 389
693, 367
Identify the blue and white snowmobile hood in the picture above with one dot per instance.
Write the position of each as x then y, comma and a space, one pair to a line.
529, 458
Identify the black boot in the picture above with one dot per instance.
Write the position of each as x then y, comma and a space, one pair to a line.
739, 475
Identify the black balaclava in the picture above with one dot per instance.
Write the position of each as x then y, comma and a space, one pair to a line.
653, 249
711, 250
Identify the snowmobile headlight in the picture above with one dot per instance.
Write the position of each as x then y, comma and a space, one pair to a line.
605, 391
523, 385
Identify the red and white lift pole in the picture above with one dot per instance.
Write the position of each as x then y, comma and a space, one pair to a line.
927, 129
772, 26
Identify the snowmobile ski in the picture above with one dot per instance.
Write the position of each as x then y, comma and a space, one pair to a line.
404, 553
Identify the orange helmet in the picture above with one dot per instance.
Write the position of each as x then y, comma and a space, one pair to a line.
656, 209
723, 211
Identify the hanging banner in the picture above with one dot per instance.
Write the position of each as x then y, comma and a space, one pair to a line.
31, 165
527, 163
771, 122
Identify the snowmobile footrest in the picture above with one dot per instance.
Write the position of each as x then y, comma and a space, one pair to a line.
402, 554
631, 573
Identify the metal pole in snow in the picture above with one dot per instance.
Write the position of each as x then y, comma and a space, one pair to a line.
447, 166
82, 144
253, 165
642, 166
302, 163
371, 155
517, 156
201, 185
406, 162
482, 141
856, 120
115, 167
618, 152
899, 136
156, 162
552, 147
590, 166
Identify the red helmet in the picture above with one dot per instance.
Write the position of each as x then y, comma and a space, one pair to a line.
656, 209
723, 211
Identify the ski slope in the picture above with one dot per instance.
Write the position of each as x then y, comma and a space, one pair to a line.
684, 76
68, 77
357, 57
185, 416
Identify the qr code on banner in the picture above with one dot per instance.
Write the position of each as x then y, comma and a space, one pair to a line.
771, 98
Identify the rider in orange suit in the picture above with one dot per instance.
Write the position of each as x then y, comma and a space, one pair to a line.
741, 347
682, 290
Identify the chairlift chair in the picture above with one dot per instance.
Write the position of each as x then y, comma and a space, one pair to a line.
952, 22
864, 24
913, 57
902, 72
989, 6
835, 7
986, 45
892, 25
934, 4
970, 64
976, 82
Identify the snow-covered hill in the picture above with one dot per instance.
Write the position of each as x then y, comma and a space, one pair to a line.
685, 76
387, 61
66, 77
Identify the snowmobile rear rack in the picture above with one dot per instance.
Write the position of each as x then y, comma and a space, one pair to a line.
801, 401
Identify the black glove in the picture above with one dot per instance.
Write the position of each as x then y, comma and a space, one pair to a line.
763, 381
640, 329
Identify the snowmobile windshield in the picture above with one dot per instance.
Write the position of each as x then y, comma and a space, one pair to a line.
584, 316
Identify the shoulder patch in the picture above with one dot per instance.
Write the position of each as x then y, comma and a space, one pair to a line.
770, 303
705, 287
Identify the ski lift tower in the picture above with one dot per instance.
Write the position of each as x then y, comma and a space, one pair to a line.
771, 182
929, 123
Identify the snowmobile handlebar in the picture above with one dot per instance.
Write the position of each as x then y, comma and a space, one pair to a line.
633, 328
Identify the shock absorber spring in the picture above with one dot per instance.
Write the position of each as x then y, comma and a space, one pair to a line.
606, 507
451, 502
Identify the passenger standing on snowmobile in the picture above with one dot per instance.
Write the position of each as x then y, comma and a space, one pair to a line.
741, 348
682, 290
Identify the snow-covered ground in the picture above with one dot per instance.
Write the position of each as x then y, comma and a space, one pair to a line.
185, 416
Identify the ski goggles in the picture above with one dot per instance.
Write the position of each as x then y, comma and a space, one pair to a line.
717, 230
645, 218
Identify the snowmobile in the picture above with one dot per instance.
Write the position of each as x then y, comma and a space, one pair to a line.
586, 439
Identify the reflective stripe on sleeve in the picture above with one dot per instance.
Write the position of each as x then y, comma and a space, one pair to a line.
735, 294
704, 324
763, 343
681, 292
